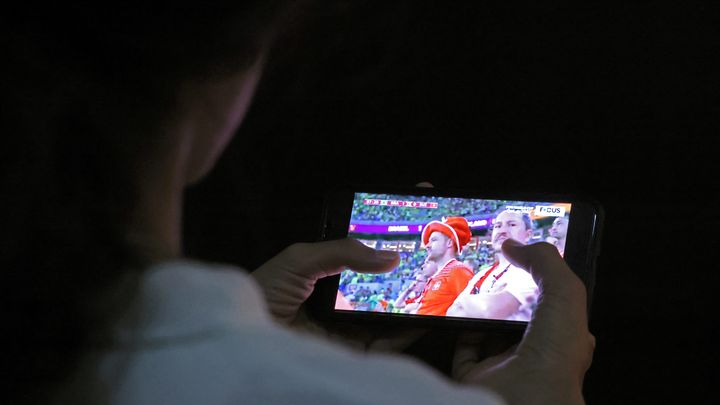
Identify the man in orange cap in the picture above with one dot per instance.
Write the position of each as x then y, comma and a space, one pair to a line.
444, 240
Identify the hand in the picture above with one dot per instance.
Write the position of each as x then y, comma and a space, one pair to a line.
549, 364
411, 308
288, 279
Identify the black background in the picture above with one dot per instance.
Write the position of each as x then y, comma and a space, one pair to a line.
619, 103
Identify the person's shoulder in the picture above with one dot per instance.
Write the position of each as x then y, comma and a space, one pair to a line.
520, 274
184, 271
458, 267
205, 295
191, 277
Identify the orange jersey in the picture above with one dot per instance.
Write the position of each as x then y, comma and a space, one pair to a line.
442, 288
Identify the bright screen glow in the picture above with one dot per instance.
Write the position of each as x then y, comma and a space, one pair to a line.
435, 277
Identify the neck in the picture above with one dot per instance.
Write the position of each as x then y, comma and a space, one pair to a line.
445, 259
156, 222
502, 261
157, 230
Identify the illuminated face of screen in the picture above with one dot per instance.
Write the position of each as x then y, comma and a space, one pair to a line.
559, 228
509, 225
437, 246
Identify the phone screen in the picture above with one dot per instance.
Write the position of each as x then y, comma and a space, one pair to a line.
451, 264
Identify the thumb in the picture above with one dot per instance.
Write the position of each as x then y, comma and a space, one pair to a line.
322, 259
543, 262
558, 329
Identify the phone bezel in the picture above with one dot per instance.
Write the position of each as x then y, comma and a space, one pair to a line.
581, 251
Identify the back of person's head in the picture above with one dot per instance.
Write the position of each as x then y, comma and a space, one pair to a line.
86, 89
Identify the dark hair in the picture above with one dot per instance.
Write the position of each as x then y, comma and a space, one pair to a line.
83, 91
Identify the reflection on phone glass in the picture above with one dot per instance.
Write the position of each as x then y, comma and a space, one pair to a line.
451, 259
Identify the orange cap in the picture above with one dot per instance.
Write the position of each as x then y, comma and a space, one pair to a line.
455, 228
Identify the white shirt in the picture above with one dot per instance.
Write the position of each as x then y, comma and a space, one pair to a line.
516, 281
201, 334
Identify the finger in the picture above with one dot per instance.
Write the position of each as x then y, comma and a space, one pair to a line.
465, 359
324, 259
557, 282
467, 353
489, 363
424, 184
544, 263
558, 329
477, 353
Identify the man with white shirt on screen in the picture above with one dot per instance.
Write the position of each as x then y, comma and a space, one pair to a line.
503, 291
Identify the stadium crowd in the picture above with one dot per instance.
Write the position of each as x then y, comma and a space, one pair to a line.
446, 207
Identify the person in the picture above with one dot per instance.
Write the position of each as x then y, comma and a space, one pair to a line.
503, 291
443, 241
558, 231
408, 299
107, 117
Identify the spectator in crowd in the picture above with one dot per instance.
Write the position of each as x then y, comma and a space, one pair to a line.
408, 300
504, 291
558, 231
444, 241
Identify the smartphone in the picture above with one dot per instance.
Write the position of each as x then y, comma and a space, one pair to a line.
452, 272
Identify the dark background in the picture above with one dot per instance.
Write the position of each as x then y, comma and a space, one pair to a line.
619, 103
